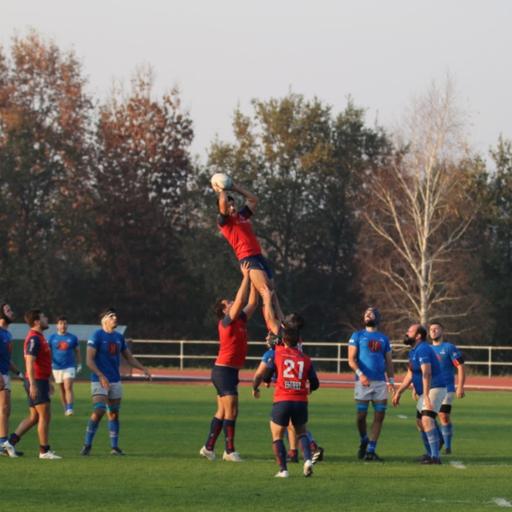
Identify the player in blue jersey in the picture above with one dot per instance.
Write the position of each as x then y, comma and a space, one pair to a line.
66, 362
6, 365
104, 351
429, 385
450, 358
369, 356
267, 361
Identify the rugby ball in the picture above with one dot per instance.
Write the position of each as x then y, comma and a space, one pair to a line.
221, 181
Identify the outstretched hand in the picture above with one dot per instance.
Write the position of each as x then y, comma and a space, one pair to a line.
245, 268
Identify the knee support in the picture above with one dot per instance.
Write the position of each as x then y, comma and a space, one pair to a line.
380, 407
362, 407
430, 414
114, 408
446, 408
99, 406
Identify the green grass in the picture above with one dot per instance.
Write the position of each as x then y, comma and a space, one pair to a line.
163, 427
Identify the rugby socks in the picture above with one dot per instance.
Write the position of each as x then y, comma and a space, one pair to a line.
2, 440
433, 441
215, 430
372, 445
364, 438
229, 433
113, 432
43, 448
312, 443
305, 445
424, 438
447, 432
280, 454
69, 407
90, 431
14, 438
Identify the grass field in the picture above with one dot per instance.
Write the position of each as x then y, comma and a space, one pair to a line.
163, 427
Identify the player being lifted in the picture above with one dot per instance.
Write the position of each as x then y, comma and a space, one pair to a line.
294, 370
232, 324
236, 227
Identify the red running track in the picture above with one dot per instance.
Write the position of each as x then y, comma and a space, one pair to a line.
330, 380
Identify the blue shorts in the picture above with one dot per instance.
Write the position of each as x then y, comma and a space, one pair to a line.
283, 412
259, 262
43, 392
225, 379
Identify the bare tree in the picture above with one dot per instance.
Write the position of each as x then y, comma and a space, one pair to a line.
416, 216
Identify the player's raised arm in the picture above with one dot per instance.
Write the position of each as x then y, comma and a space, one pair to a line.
250, 198
241, 295
223, 202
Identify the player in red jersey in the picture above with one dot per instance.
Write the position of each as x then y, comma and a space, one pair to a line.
236, 227
38, 363
232, 316
294, 370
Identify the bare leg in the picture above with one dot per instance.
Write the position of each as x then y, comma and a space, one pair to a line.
5, 411
43, 425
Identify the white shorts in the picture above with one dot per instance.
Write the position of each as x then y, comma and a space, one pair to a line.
7, 382
376, 391
448, 399
61, 375
114, 393
436, 396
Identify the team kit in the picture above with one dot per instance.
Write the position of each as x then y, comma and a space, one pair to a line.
435, 370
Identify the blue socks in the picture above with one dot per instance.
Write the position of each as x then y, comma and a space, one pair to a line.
426, 444
113, 432
447, 432
372, 445
433, 441
90, 431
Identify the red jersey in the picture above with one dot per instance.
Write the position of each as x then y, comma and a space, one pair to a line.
237, 230
37, 346
293, 368
233, 342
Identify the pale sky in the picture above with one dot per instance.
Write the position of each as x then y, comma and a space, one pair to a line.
223, 53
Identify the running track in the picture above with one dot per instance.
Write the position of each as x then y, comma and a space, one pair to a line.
330, 380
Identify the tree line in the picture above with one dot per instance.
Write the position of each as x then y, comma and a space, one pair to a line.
103, 203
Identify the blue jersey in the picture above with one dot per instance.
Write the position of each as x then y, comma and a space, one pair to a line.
372, 347
450, 357
424, 354
109, 346
5, 350
268, 357
63, 350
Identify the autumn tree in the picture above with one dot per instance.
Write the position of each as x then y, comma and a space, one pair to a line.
45, 134
140, 204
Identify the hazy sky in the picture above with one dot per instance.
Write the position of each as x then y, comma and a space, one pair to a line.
223, 53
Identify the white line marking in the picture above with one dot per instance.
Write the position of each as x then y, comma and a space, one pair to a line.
457, 464
502, 502
402, 416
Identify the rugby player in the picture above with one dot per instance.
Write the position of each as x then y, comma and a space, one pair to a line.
103, 358
6, 364
232, 325
65, 362
293, 455
38, 365
450, 357
427, 378
236, 227
294, 371
369, 356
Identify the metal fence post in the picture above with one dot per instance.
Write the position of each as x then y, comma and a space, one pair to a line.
338, 362
489, 373
181, 354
